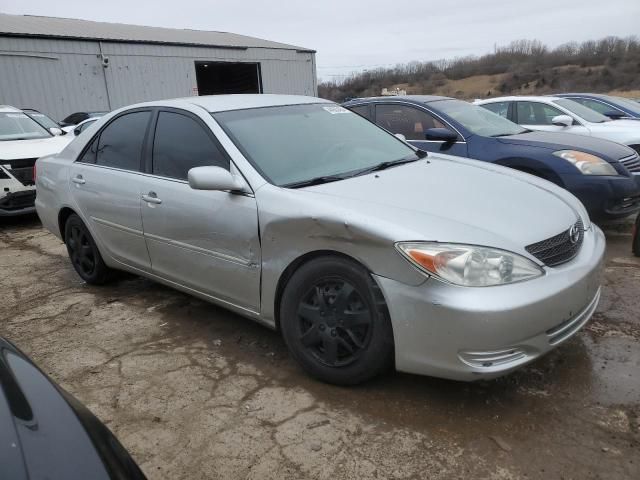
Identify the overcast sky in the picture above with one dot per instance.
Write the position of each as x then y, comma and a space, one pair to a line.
358, 34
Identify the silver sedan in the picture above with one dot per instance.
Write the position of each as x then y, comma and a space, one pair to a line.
363, 251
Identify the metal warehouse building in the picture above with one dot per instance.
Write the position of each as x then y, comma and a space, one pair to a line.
60, 66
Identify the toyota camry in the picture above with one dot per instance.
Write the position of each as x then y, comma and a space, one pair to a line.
363, 251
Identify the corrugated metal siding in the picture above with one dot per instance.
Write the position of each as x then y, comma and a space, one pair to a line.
54, 27
63, 76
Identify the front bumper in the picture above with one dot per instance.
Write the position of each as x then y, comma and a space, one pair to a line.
17, 203
464, 333
606, 198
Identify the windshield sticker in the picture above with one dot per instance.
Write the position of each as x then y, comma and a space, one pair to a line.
16, 115
336, 109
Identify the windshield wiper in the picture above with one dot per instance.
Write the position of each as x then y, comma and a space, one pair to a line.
315, 181
414, 157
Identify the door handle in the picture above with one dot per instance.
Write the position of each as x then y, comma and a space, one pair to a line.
79, 180
151, 197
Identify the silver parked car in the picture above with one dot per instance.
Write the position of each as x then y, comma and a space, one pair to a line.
363, 251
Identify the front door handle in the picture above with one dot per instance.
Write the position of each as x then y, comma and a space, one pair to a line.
78, 179
151, 197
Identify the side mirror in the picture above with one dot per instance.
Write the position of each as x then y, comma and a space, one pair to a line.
77, 131
400, 136
55, 131
440, 135
214, 178
562, 120
613, 115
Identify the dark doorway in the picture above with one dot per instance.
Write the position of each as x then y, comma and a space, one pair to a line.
215, 78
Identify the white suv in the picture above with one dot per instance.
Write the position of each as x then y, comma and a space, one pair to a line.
553, 114
22, 142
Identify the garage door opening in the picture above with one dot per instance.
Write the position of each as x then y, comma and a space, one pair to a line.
216, 78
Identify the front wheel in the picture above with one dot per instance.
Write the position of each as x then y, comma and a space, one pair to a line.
83, 252
335, 322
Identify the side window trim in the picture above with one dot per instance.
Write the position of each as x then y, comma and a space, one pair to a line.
98, 134
148, 161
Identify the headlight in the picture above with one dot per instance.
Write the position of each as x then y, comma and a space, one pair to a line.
585, 162
469, 265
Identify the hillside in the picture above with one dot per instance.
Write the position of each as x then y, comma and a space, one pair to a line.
522, 68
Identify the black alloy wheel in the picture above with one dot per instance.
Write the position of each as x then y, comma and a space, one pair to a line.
83, 252
335, 322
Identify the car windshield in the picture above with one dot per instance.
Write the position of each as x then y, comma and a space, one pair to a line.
626, 103
580, 110
42, 119
477, 120
296, 143
18, 126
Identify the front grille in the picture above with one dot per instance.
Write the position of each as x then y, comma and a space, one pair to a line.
632, 163
21, 168
560, 248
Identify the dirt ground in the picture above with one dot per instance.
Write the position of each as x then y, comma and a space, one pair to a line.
196, 392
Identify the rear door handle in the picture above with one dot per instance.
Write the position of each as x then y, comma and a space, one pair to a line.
151, 197
79, 180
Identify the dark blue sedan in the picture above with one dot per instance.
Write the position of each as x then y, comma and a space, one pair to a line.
594, 170
608, 105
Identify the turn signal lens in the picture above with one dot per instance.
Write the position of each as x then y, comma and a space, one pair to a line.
469, 265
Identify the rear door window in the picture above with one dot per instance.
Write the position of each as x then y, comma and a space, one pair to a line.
120, 142
180, 144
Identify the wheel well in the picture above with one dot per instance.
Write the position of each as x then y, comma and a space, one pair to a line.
63, 216
295, 265
544, 173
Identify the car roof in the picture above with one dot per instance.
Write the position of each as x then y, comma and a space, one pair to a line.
409, 98
9, 109
592, 95
515, 98
223, 103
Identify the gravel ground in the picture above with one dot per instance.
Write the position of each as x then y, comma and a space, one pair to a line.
194, 391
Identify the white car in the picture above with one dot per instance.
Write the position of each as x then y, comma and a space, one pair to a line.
22, 142
76, 130
553, 114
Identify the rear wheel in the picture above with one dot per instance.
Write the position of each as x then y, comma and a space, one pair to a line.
83, 252
335, 323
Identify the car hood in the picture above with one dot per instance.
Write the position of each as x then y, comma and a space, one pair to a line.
15, 149
554, 141
451, 199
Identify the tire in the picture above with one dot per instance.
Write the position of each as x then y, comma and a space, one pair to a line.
335, 323
83, 252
